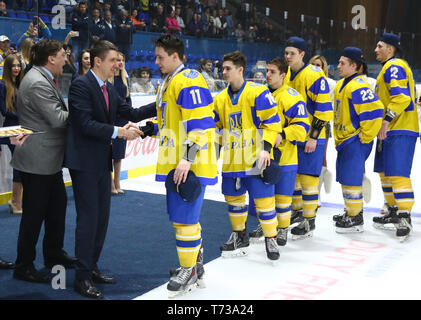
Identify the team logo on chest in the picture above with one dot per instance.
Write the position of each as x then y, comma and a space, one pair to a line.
235, 124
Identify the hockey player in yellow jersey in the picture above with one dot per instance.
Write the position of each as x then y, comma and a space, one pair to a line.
358, 115
186, 156
246, 114
397, 136
311, 83
292, 111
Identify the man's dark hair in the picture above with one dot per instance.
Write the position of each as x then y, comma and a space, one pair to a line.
237, 58
43, 49
280, 63
205, 61
170, 44
100, 49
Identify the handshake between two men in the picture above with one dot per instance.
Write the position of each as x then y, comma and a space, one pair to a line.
130, 132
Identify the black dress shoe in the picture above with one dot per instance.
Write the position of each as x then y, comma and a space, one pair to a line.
87, 289
30, 274
98, 277
6, 264
63, 259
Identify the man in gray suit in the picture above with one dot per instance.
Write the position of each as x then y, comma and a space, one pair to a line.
41, 107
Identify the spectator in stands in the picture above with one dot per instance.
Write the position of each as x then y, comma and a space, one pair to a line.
144, 5
12, 76
144, 15
171, 6
187, 13
121, 84
259, 77
84, 62
242, 16
180, 20
206, 71
80, 23
25, 53
110, 27
3, 9
124, 31
69, 67
230, 22
96, 26
251, 34
172, 24
239, 33
160, 18
4, 47
138, 24
210, 30
36, 31
195, 27
141, 81
221, 24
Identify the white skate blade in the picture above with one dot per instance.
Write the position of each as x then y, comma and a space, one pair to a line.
387, 226
241, 252
201, 284
366, 189
355, 229
302, 237
257, 240
190, 288
293, 225
273, 263
404, 238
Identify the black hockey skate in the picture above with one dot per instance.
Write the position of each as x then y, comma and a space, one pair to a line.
236, 246
404, 226
257, 236
387, 221
272, 250
304, 230
348, 224
282, 237
296, 218
183, 282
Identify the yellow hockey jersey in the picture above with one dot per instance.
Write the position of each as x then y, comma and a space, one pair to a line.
245, 121
357, 110
396, 89
186, 114
311, 83
293, 114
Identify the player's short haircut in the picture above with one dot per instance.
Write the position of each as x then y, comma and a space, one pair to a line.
280, 63
171, 44
359, 64
100, 49
43, 49
237, 58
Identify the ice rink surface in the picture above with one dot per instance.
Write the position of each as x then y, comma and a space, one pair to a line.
329, 266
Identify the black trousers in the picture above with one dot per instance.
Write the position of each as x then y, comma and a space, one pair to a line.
44, 200
92, 192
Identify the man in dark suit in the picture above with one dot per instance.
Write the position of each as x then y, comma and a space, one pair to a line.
41, 107
93, 107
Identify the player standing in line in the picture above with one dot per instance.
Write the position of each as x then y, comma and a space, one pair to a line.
291, 108
311, 83
358, 115
186, 143
326, 175
247, 115
397, 137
